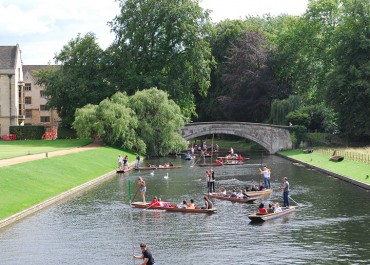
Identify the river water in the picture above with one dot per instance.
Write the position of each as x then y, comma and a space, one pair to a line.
330, 226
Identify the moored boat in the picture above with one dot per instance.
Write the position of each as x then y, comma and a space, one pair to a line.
337, 158
210, 165
197, 209
231, 199
122, 171
155, 168
257, 217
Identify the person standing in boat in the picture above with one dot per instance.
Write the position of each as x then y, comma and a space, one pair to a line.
212, 181
142, 188
266, 176
286, 189
146, 255
208, 179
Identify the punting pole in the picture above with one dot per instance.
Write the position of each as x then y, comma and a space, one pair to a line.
294, 201
132, 222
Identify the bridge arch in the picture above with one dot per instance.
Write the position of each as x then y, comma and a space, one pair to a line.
271, 137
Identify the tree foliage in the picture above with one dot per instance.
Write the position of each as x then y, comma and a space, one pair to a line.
163, 44
349, 80
160, 121
147, 122
249, 80
78, 80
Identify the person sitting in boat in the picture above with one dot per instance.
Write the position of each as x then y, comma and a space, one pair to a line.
207, 203
170, 164
262, 209
183, 205
278, 209
234, 194
219, 161
262, 187
271, 208
154, 202
222, 192
160, 202
240, 157
240, 194
255, 188
191, 204
245, 195
151, 165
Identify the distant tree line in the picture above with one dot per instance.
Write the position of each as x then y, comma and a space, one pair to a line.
310, 70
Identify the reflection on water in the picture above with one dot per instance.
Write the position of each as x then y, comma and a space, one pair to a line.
99, 227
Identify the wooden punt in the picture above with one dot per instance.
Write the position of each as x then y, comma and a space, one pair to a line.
234, 164
337, 158
146, 206
257, 217
210, 165
233, 199
261, 193
225, 158
122, 171
155, 168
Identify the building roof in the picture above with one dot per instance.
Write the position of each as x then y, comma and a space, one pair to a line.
8, 57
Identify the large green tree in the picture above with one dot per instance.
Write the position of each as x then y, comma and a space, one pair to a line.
160, 121
349, 80
148, 122
163, 44
78, 79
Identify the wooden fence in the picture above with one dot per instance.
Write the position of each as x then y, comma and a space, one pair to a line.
364, 158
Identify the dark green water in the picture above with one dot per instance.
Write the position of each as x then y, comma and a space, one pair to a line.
330, 226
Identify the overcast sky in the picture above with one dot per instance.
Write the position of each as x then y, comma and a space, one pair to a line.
43, 27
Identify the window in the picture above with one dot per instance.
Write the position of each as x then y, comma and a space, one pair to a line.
27, 100
43, 107
28, 113
27, 87
45, 119
42, 93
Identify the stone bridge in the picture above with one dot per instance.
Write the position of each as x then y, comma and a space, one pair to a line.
272, 137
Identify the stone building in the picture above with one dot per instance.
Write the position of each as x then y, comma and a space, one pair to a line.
22, 102
11, 88
36, 112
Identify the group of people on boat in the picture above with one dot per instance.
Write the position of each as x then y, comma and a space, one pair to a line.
168, 164
272, 208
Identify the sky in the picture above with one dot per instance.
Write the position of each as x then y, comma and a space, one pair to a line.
43, 27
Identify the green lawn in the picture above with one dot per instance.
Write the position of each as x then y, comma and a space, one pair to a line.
9, 149
355, 170
24, 185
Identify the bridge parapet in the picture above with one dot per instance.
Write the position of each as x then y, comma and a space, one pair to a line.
272, 137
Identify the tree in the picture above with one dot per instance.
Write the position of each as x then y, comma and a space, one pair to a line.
112, 120
160, 121
78, 80
349, 86
249, 80
163, 44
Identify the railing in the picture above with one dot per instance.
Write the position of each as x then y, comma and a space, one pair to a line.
364, 158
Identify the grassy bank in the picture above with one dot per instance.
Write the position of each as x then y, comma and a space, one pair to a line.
10, 149
24, 185
355, 170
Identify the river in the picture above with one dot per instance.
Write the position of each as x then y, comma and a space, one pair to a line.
330, 226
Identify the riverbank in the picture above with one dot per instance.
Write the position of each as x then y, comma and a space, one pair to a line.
350, 171
29, 186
